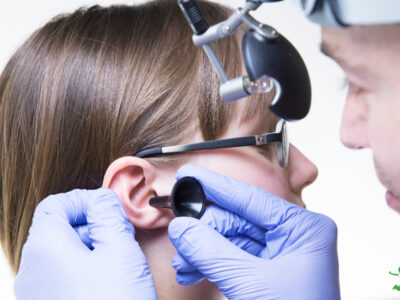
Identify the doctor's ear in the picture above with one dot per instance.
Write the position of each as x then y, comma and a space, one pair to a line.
133, 180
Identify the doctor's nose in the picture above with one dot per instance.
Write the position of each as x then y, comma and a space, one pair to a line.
353, 132
302, 171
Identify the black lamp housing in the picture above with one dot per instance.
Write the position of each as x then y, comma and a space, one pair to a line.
279, 60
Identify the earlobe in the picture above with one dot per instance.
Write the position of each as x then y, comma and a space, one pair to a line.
132, 179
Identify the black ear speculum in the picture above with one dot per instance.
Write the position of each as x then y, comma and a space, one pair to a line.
187, 199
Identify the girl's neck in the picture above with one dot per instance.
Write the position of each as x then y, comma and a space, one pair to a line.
159, 252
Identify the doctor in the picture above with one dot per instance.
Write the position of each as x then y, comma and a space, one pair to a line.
297, 257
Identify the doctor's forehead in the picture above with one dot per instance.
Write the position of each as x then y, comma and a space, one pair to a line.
343, 45
358, 42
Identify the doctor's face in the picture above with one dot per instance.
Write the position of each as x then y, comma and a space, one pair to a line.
370, 58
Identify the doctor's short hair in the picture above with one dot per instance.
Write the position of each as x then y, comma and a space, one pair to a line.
102, 83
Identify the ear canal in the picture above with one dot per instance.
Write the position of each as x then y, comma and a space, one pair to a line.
132, 179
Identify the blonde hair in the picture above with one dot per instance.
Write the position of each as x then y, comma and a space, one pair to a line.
99, 84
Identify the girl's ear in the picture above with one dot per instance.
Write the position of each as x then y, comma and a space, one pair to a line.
133, 180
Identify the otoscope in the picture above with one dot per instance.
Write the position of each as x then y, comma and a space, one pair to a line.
187, 199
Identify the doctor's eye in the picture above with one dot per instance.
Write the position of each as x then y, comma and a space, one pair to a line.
354, 90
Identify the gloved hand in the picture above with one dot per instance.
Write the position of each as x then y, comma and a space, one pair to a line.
56, 264
296, 256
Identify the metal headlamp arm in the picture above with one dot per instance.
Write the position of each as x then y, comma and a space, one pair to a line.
271, 61
230, 26
203, 35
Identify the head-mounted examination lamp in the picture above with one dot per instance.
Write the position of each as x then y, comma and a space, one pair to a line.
271, 61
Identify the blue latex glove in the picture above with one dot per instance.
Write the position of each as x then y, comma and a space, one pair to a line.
296, 257
57, 264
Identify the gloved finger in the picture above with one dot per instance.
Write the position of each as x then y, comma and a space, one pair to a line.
107, 222
51, 228
230, 224
239, 231
201, 246
68, 207
181, 265
49, 236
252, 203
247, 244
112, 236
236, 229
83, 232
189, 278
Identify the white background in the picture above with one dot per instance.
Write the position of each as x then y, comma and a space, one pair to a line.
346, 190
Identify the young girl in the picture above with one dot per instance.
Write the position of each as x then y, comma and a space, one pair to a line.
90, 89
